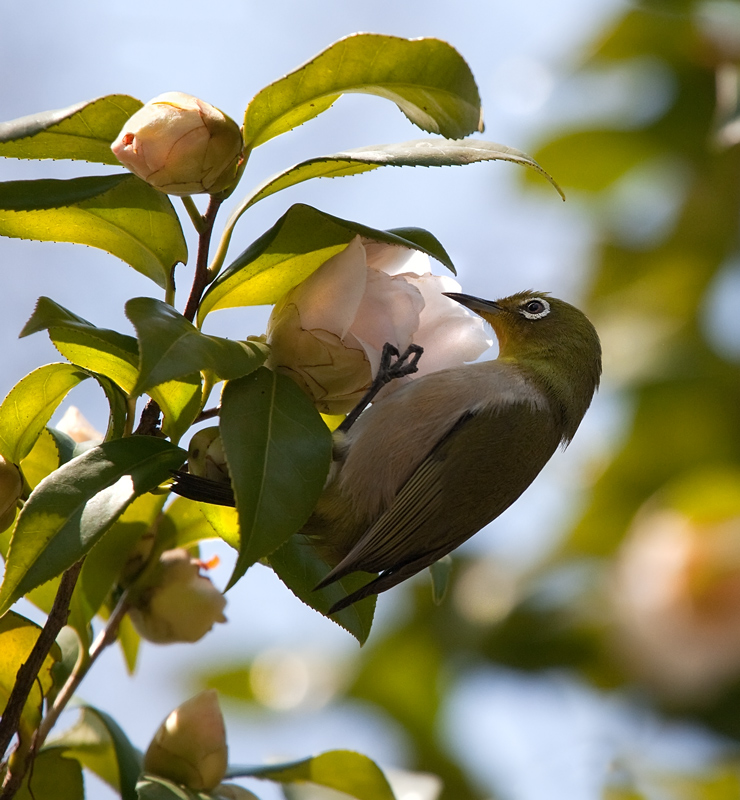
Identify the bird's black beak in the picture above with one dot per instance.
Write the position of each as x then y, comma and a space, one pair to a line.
476, 304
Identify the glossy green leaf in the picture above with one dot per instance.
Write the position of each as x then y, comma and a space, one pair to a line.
82, 131
416, 153
341, 770
171, 347
300, 568
278, 451
426, 78
42, 460
297, 245
72, 508
97, 742
30, 404
99, 350
53, 775
18, 635
118, 213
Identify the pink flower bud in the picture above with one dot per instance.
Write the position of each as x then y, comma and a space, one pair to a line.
328, 332
190, 746
180, 604
180, 145
11, 486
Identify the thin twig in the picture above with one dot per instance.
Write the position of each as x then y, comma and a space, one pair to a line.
201, 278
105, 638
29, 670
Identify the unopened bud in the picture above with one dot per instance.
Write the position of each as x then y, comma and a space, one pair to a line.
206, 456
181, 145
11, 486
180, 604
190, 746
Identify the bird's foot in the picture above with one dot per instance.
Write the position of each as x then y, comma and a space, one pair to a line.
405, 363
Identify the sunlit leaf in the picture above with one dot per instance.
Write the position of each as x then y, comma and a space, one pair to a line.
426, 78
172, 347
300, 568
82, 131
297, 245
118, 213
278, 451
70, 510
341, 770
416, 153
30, 404
152, 787
17, 637
129, 641
99, 744
180, 401
194, 522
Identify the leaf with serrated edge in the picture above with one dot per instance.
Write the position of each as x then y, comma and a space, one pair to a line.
171, 347
300, 568
83, 131
284, 256
427, 79
120, 214
72, 508
341, 770
278, 451
30, 404
415, 153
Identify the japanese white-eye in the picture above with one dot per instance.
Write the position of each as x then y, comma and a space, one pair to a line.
428, 466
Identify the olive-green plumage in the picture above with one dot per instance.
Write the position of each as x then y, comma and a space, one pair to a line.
427, 467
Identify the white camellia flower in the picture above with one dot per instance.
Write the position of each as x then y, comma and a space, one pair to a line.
180, 604
676, 598
180, 145
190, 746
328, 332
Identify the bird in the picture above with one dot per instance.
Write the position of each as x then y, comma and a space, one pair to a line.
426, 467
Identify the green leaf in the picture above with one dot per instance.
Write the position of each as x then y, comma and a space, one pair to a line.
71, 509
194, 522
440, 572
53, 775
82, 131
42, 460
416, 153
427, 79
297, 245
99, 350
117, 357
180, 401
129, 641
300, 568
120, 214
341, 770
278, 451
18, 635
99, 744
30, 404
171, 347
130, 534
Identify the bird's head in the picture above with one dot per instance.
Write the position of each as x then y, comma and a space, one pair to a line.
552, 337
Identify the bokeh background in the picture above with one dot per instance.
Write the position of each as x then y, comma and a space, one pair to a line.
590, 643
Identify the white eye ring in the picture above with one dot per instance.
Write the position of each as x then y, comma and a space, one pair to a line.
533, 301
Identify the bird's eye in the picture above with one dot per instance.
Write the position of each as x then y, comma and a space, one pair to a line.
536, 308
